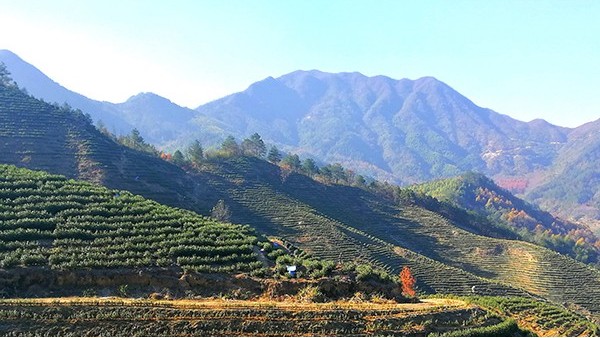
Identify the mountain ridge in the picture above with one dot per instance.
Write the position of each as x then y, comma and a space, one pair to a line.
332, 111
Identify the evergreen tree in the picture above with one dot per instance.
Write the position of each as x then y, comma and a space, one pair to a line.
178, 158
230, 147
5, 78
254, 146
310, 167
195, 153
135, 141
274, 155
291, 161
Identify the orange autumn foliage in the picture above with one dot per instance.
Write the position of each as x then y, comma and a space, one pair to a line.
408, 282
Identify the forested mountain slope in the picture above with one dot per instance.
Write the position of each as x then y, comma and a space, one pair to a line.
409, 130
571, 187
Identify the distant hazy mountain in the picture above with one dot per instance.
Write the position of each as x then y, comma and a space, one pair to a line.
571, 186
41, 86
407, 130
158, 119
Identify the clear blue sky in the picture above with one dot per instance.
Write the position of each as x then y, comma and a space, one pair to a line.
527, 59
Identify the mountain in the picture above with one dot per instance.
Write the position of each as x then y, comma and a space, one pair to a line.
480, 195
447, 252
407, 130
41, 86
158, 119
571, 186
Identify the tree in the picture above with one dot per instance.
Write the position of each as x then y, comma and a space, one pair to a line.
135, 141
102, 128
254, 146
195, 153
166, 156
178, 158
221, 212
408, 282
274, 155
230, 146
360, 181
310, 167
5, 78
291, 161
334, 173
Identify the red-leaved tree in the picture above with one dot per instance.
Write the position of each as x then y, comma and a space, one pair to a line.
408, 282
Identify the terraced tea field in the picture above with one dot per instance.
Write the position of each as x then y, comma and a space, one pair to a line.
47, 220
345, 223
543, 318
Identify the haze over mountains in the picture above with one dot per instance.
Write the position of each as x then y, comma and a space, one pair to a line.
405, 131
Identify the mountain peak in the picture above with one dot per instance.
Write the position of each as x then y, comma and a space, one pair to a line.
7, 54
150, 97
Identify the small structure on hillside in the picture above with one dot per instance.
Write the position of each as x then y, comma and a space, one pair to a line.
291, 270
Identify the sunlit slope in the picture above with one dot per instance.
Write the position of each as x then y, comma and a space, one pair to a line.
344, 223
48, 220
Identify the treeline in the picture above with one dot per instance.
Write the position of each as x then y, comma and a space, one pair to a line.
195, 156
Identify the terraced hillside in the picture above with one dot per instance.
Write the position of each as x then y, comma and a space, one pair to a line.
329, 221
41, 136
346, 223
122, 317
49, 221
480, 195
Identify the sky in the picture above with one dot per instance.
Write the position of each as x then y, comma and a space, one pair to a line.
526, 59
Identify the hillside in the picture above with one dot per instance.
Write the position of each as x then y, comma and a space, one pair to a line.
42, 136
340, 223
347, 223
480, 195
51, 222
